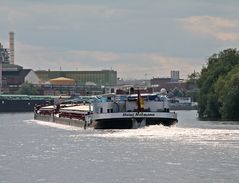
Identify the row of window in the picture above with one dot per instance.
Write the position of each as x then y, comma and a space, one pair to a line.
108, 110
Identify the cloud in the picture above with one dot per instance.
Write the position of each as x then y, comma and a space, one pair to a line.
133, 38
219, 28
97, 55
128, 65
47, 16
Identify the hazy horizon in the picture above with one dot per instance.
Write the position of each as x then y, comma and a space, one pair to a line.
136, 38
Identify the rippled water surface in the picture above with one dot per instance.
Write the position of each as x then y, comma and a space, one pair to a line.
191, 151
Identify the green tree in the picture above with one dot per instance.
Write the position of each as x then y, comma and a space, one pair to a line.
228, 92
28, 89
176, 92
218, 86
191, 86
193, 77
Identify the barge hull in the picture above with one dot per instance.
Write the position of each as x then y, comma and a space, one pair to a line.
123, 123
133, 120
60, 120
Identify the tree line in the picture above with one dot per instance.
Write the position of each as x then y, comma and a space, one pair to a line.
219, 87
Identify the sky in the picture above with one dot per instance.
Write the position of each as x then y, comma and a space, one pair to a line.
140, 39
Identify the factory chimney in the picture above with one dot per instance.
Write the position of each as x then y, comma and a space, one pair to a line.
11, 47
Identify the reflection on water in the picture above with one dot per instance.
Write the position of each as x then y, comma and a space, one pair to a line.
216, 137
191, 151
188, 130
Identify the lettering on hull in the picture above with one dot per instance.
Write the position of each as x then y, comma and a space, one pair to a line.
139, 114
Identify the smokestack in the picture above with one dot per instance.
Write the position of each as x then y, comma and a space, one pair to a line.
11, 47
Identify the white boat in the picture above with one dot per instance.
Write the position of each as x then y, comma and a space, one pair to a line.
113, 112
132, 111
182, 103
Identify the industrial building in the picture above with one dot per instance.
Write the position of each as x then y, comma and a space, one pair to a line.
12, 77
168, 83
175, 77
6, 58
76, 82
4, 54
101, 78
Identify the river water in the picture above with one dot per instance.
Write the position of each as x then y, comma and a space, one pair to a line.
192, 151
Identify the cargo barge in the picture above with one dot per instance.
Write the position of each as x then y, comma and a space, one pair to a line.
112, 112
24, 103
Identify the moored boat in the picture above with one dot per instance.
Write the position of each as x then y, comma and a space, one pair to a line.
25, 103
